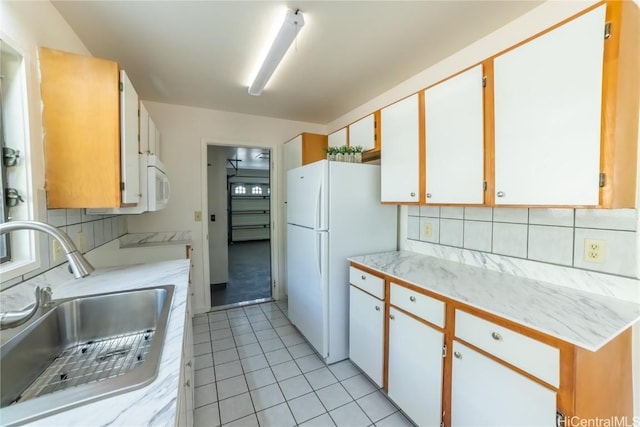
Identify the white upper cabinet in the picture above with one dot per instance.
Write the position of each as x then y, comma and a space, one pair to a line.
548, 97
400, 145
144, 130
293, 153
454, 128
129, 164
338, 138
363, 133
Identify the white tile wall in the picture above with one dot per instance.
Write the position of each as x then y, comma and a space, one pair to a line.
554, 236
97, 230
510, 239
551, 244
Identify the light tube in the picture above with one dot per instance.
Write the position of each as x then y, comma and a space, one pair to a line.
292, 24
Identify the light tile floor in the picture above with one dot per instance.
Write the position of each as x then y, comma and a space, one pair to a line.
253, 368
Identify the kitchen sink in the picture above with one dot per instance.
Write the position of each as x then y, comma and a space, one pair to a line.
83, 349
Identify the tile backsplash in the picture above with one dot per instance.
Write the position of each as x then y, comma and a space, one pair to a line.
96, 229
554, 236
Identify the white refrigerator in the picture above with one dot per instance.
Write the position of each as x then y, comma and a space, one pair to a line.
333, 212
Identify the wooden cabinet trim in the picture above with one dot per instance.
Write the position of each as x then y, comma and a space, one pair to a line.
366, 292
620, 105
418, 318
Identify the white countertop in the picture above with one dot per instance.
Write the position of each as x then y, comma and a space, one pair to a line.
585, 319
134, 240
155, 404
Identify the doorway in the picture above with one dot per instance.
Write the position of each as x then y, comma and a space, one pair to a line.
239, 192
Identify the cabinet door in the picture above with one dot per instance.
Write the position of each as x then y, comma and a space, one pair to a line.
144, 129
366, 333
152, 136
454, 129
129, 126
486, 393
363, 133
293, 153
415, 368
548, 95
400, 145
338, 138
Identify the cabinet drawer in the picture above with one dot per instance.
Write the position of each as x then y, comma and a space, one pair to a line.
537, 358
367, 282
425, 307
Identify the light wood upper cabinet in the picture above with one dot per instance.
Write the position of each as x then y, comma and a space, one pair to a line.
454, 126
338, 138
81, 112
363, 133
400, 164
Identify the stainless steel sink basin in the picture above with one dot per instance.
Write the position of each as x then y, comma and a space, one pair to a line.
83, 349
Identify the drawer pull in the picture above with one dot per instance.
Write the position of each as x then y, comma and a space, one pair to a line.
457, 355
496, 336
363, 277
377, 308
391, 316
412, 298
413, 194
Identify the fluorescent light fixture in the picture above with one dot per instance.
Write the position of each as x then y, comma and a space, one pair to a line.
293, 22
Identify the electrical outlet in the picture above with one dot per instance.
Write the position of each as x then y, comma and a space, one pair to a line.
56, 251
197, 216
428, 229
80, 241
594, 250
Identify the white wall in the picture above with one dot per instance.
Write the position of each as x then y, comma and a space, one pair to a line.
185, 130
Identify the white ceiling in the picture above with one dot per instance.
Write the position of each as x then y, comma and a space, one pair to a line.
201, 53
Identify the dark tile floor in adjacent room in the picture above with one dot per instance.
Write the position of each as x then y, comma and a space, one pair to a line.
253, 368
249, 274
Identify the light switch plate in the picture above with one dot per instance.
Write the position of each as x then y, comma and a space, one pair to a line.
197, 216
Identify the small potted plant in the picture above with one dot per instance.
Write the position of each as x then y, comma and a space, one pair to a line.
341, 154
331, 153
357, 153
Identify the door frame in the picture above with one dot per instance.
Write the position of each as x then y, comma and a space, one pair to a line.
274, 174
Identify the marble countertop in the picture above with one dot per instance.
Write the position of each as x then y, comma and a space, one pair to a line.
135, 240
585, 319
155, 404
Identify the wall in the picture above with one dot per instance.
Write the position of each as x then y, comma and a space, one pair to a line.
185, 131
26, 26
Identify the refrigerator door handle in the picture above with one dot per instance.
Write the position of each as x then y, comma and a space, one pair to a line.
319, 209
319, 252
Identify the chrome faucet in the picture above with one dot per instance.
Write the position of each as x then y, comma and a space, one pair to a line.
78, 264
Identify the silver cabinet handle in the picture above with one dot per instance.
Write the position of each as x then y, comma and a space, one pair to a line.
189, 363
412, 298
391, 316
496, 336
188, 383
413, 194
363, 277
377, 308
428, 195
457, 355
500, 194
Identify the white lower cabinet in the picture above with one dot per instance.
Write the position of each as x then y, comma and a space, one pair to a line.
487, 393
186, 384
366, 332
415, 368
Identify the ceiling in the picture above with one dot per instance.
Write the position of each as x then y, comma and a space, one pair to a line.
201, 53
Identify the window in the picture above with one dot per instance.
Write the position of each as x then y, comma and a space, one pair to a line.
256, 190
240, 189
18, 250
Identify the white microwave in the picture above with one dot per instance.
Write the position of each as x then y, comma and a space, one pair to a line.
158, 187
155, 189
